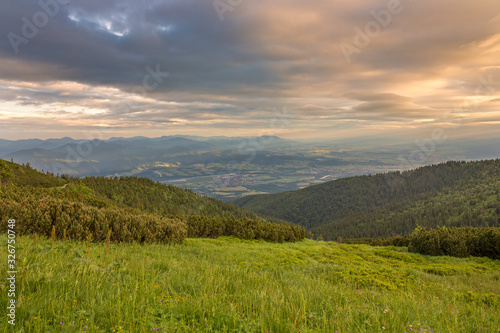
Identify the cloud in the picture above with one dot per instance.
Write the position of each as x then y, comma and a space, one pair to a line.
388, 106
88, 65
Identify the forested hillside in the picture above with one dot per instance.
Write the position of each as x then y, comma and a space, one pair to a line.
146, 194
452, 194
25, 175
123, 210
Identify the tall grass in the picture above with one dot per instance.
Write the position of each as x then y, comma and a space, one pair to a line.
232, 285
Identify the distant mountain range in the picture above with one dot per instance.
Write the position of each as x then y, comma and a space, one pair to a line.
8, 146
228, 168
117, 155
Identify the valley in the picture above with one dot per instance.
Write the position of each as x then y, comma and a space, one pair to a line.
228, 168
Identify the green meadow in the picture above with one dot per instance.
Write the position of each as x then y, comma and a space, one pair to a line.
233, 285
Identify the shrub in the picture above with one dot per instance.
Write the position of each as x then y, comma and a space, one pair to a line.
391, 241
40, 210
457, 242
245, 228
76, 210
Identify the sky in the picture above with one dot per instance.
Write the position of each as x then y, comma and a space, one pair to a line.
404, 69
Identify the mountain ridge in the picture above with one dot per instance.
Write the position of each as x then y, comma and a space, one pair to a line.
391, 204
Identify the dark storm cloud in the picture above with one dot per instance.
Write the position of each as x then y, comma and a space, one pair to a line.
112, 43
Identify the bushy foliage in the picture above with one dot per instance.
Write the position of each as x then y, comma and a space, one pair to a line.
206, 217
133, 209
245, 228
148, 195
6, 173
379, 241
457, 242
38, 210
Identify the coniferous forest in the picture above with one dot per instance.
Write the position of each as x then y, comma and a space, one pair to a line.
124, 210
452, 194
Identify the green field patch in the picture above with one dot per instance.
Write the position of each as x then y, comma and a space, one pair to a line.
232, 189
443, 270
400, 256
223, 193
488, 299
251, 192
233, 285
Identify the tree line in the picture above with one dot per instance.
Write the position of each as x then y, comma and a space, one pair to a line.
456, 242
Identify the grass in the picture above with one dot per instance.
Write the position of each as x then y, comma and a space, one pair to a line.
230, 285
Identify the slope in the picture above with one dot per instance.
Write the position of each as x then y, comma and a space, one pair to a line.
26, 175
449, 194
148, 195
229, 285
130, 209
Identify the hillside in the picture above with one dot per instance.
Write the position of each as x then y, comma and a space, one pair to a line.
231, 285
25, 175
451, 194
129, 209
148, 195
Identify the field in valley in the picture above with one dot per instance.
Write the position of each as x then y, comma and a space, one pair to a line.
231, 285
